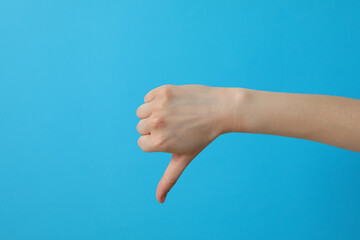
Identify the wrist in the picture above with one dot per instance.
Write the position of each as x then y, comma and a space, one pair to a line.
235, 109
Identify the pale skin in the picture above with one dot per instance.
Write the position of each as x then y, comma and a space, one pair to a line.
184, 119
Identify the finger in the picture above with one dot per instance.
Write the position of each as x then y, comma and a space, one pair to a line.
172, 173
144, 143
151, 95
144, 111
143, 127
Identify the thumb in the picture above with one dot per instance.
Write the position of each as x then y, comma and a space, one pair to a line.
172, 173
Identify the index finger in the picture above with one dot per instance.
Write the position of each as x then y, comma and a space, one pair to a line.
150, 95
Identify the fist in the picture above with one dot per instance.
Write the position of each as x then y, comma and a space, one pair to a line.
181, 120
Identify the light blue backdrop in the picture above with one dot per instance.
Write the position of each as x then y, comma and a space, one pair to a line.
72, 74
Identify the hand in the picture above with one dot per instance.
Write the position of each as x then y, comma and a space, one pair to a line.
181, 120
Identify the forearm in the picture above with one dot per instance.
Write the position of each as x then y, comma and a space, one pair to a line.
183, 120
327, 119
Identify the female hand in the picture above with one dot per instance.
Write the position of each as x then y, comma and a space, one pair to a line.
181, 120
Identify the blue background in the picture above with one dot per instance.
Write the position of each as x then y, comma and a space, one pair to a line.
73, 73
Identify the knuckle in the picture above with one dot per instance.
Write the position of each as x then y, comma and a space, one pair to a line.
138, 112
139, 142
157, 122
138, 127
159, 142
166, 86
166, 91
141, 145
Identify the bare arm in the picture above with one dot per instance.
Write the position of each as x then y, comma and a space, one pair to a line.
183, 120
327, 119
